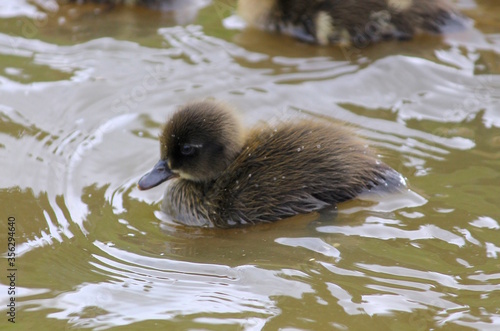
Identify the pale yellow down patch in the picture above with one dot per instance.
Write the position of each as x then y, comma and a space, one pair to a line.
400, 5
255, 12
324, 27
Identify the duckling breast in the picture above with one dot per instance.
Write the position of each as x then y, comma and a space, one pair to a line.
185, 203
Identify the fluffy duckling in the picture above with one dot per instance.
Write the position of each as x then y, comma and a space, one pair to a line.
351, 21
222, 177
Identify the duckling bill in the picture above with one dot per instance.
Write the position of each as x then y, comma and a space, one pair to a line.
219, 176
355, 22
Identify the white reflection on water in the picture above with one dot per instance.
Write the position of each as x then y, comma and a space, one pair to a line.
19, 8
384, 232
143, 288
401, 295
314, 244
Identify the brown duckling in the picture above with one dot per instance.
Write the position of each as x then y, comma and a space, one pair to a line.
222, 177
359, 22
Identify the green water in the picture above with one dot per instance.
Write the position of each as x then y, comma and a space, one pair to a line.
83, 93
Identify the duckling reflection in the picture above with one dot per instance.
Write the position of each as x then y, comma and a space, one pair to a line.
358, 22
222, 177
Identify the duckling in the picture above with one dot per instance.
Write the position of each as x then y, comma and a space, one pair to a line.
357, 22
221, 176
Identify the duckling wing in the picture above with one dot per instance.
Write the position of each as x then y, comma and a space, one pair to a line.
292, 169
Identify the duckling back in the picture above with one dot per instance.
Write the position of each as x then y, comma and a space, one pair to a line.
351, 21
292, 169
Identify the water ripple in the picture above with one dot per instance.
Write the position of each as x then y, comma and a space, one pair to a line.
149, 288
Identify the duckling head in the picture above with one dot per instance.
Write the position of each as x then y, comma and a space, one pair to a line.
197, 144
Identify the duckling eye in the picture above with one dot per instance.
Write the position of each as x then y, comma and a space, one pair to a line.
187, 149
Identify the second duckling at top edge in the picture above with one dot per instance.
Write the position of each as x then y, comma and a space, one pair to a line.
220, 176
356, 22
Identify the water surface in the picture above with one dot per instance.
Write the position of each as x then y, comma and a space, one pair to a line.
83, 93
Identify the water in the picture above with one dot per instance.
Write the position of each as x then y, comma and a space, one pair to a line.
83, 93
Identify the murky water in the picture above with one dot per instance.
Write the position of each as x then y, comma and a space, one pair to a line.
83, 92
